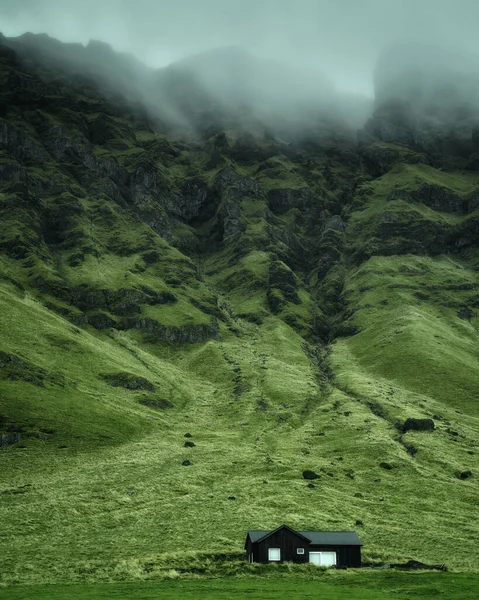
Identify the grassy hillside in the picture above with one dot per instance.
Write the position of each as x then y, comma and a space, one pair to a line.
187, 324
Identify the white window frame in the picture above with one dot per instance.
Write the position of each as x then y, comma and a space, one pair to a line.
335, 557
299, 550
321, 552
274, 559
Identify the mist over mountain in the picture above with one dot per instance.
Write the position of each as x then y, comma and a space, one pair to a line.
239, 282
226, 87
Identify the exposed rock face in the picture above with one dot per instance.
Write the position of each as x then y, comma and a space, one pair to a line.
228, 177
405, 232
330, 246
473, 200
282, 278
229, 213
101, 321
439, 198
191, 334
19, 144
192, 198
281, 200
377, 159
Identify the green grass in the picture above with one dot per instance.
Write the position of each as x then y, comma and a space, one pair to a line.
410, 328
410, 177
96, 489
348, 586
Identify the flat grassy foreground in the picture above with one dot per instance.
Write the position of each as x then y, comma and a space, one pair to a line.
350, 586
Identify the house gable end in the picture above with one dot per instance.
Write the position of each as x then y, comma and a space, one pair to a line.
279, 529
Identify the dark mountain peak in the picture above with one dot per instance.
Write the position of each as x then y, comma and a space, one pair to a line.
100, 46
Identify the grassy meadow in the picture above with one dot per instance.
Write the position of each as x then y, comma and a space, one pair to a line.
350, 586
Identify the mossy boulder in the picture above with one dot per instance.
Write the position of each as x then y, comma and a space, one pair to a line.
412, 424
311, 475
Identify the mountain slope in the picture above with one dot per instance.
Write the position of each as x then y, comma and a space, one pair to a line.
288, 302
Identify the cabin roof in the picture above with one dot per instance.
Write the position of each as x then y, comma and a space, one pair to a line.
316, 538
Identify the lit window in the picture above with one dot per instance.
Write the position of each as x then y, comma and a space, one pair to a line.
274, 554
300, 551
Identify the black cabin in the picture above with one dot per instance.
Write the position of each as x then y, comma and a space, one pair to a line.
323, 548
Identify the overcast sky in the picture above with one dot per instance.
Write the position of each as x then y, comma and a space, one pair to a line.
343, 38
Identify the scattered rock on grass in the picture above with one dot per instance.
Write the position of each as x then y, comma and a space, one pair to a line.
308, 474
386, 466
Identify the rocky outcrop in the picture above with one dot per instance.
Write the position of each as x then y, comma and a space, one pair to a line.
440, 198
103, 129
412, 424
63, 145
192, 198
100, 320
228, 177
376, 159
128, 381
473, 201
283, 286
186, 334
245, 150
230, 214
401, 232
8, 439
160, 404
14, 368
20, 145
12, 171
282, 199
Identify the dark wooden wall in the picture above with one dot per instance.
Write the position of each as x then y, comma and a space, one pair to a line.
289, 542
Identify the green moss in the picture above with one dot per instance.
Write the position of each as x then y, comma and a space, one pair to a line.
410, 177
